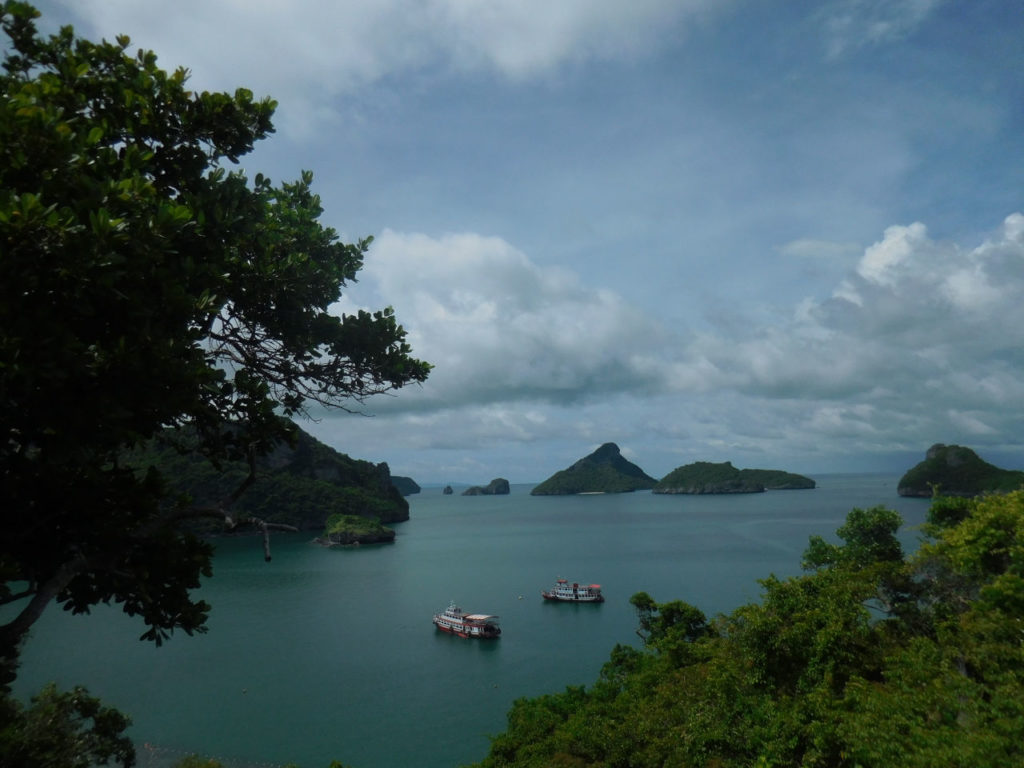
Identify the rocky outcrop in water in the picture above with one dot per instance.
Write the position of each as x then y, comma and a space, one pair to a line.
497, 487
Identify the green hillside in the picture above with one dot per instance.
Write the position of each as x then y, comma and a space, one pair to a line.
603, 471
957, 471
300, 486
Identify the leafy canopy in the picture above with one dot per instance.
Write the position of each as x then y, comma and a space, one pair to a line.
143, 285
870, 659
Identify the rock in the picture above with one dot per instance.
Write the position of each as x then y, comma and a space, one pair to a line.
497, 487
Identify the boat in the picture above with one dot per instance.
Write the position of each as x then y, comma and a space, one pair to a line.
573, 592
456, 621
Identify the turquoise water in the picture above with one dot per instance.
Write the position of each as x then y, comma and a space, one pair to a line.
331, 654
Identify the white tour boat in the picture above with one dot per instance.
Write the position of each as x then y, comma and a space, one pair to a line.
573, 592
454, 620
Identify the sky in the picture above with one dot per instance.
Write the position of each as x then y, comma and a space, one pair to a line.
780, 233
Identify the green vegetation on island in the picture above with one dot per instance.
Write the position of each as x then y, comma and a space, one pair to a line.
348, 530
703, 477
870, 659
603, 471
957, 471
298, 485
497, 487
778, 480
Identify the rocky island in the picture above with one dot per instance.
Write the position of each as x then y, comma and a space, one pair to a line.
497, 487
353, 530
703, 477
957, 471
603, 471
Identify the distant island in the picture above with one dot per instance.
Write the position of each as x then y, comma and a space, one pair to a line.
703, 477
957, 471
497, 487
603, 471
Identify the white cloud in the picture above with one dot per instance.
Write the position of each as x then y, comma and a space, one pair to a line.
851, 24
526, 353
499, 328
304, 54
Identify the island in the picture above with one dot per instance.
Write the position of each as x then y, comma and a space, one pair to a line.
603, 471
447, 490
706, 477
405, 485
353, 530
497, 487
300, 485
953, 470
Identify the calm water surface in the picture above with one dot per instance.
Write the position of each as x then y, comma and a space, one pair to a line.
330, 654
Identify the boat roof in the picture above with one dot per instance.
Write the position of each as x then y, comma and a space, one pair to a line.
479, 616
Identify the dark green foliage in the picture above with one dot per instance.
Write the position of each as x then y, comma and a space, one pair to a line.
145, 287
603, 471
871, 660
707, 477
776, 479
957, 471
65, 730
353, 529
298, 485
405, 485
710, 477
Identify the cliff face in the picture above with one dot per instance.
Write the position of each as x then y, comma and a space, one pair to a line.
957, 471
603, 471
497, 487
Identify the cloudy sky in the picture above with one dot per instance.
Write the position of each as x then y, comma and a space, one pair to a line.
782, 233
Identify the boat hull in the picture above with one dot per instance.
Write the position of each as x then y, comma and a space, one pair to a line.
572, 598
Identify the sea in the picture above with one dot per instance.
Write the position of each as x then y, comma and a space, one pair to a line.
330, 654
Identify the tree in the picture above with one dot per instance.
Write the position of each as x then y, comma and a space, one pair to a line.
143, 286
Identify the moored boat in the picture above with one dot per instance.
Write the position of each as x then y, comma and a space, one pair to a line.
573, 592
456, 621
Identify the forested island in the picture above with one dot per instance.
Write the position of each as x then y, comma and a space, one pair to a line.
707, 477
957, 471
353, 530
299, 485
603, 471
